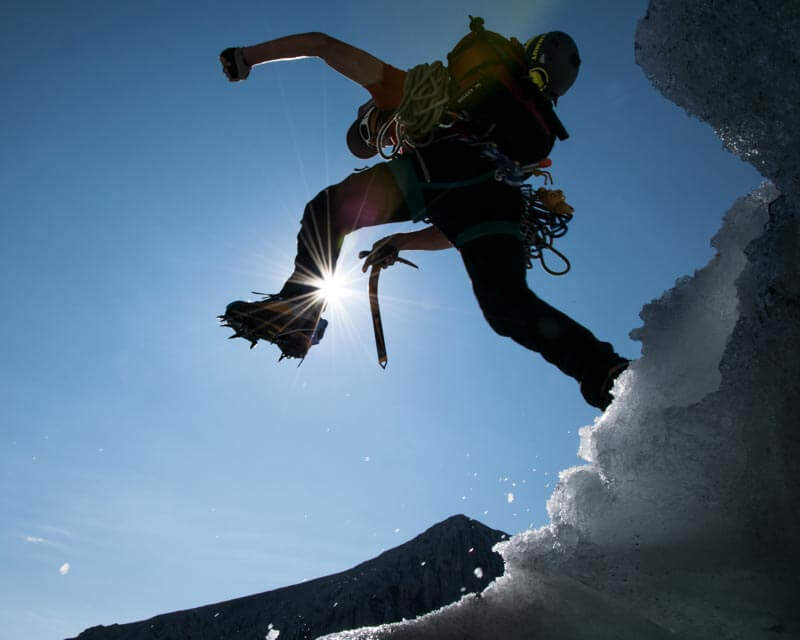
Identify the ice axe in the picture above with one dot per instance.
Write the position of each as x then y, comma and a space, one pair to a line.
383, 257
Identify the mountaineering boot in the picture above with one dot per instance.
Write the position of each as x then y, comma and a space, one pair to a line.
294, 324
596, 387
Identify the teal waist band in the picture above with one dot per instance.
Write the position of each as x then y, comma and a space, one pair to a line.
411, 186
460, 183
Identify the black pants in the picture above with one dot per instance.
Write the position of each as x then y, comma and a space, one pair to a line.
496, 263
497, 266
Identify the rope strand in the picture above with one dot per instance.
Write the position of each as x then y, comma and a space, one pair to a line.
425, 98
541, 226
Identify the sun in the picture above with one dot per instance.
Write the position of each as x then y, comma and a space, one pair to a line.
331, 289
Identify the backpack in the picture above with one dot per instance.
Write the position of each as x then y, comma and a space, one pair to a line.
490, 89
491, 98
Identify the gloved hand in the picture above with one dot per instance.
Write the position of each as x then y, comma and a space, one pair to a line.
234, 65
383, 254
554, 200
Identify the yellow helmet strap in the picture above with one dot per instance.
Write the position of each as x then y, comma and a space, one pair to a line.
539, 77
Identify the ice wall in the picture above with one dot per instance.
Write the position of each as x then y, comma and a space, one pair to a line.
733, 64
685, 521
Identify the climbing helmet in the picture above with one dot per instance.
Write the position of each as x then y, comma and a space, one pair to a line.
553, 62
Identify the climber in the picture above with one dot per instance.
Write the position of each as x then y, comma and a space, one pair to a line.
462, 173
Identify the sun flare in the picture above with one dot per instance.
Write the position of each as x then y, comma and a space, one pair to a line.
332, 288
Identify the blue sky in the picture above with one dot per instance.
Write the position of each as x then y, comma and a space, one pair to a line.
140, 193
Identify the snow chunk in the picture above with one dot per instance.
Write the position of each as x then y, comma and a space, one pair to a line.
272, 633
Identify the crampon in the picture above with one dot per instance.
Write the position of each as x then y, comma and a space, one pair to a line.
291, 324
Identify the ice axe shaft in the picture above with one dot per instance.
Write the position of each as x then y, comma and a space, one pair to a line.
374, 307
377, 325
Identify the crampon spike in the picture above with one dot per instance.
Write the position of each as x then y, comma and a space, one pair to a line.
263, 320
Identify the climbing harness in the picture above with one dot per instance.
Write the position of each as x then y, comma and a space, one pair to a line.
374, 307
545, 217
511, 172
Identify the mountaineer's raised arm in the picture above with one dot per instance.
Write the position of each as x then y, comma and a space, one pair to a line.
358, 65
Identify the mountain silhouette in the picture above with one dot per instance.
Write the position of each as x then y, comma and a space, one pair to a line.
436, 568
